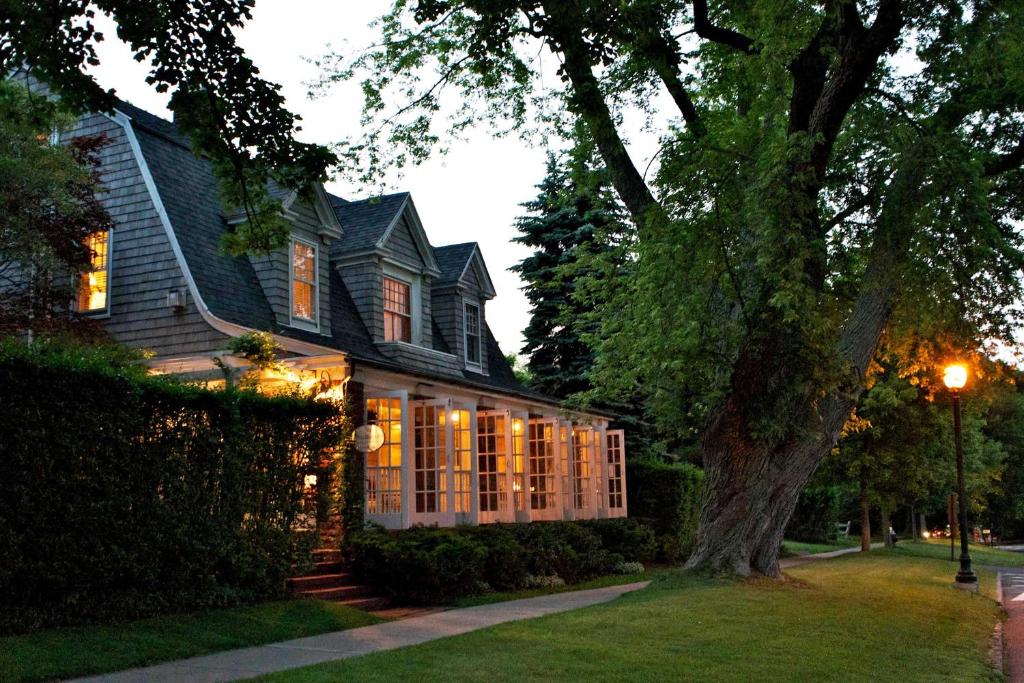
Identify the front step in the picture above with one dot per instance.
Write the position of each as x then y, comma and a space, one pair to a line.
301, 583
329, 579
336, 592
327, 555
366, 604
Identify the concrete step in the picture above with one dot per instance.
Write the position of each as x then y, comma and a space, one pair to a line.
327, 567
327, 555
366, 604
337, 593
319, 580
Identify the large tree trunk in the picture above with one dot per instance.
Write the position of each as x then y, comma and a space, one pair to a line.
749, 492
865, 515
886, 525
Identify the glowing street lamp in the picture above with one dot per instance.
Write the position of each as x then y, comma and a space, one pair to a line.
955, 378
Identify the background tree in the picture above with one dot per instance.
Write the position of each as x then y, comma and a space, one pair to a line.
836, 170
574, 216
218, 99
48, 206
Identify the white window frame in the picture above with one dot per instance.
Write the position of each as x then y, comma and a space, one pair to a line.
414, 282
109, 267
296, 321
478, 365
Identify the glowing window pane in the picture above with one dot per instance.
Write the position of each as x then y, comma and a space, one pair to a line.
93, 283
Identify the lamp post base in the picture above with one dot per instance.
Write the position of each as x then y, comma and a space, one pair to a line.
966, 574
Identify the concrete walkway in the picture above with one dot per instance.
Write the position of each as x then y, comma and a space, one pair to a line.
234, 665
801, 559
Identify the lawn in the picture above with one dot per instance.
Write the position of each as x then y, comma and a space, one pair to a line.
79, 651
980, 555
882, 616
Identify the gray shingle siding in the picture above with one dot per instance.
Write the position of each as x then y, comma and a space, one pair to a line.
274, 269
401, 246
365, 285
143, 265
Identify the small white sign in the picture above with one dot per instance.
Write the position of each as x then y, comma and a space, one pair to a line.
369, 438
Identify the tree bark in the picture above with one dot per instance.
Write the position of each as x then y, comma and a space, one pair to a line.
865, 516
924, 525
914, 535
886, 525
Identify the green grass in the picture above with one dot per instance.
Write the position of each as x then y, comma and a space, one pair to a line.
84, 650
792, 548
880, 616
980, 555
599, 582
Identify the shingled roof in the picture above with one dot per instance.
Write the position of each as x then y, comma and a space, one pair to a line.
452, 259
365, 221
229, 286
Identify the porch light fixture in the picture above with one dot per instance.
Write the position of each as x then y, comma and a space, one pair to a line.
955, 378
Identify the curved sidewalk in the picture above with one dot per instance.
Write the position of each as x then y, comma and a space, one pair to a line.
234, 665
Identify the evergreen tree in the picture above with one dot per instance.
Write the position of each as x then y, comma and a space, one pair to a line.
574, 215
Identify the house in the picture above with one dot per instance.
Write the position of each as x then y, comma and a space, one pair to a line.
363, 306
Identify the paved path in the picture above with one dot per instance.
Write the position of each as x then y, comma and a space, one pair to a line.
801, 559
234, 665
1012, 582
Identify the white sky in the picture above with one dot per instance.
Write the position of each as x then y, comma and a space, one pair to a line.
472, 194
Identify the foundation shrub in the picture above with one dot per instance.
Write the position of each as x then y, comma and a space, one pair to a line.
124, 495
428, 565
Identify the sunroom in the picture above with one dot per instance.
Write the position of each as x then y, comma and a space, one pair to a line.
446, 462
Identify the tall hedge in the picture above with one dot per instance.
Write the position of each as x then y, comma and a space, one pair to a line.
666, 497
123, 496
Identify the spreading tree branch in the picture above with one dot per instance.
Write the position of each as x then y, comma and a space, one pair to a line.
724, 36
562, 29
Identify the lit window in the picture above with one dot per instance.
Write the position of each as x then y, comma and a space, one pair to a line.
304, 295
93, 283
397, 311
472, 334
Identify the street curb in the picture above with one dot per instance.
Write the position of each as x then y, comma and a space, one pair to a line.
999, 588
998, 652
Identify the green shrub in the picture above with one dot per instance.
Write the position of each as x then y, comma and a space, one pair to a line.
123, 496
636, 542
815, 516
432, 565
666, 498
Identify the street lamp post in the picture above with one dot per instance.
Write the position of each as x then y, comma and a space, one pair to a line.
955, 378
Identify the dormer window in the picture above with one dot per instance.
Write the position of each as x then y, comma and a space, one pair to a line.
304, 284
397, 311
93, 284
472, 319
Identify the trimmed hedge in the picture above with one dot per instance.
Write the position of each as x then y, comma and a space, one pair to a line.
124, 496
666, 497
431, 565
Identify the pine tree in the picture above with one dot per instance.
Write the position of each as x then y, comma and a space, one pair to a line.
573, 218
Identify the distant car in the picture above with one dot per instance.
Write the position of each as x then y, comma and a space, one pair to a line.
940, 533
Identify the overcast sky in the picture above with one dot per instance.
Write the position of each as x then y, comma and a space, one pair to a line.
472, 194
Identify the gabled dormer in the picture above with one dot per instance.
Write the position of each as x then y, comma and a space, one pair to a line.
388, 267
295, 278
459, 297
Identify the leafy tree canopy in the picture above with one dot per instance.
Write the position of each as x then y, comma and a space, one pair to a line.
48, 206
834, 171
219, 100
